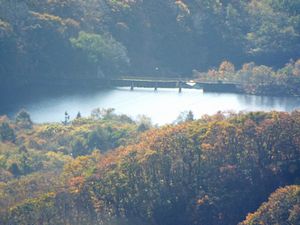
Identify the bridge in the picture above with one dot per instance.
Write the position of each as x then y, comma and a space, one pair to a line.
171, 82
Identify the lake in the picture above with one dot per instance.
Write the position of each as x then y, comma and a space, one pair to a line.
162, 106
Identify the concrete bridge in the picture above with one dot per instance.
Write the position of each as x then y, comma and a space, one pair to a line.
180, 83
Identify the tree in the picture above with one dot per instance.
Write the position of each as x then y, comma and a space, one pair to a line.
103, 51
282, 207
23, 120
78, 116
67, 118
144, 123
98, 139
14, 169
185, 117
274, 28
6, 132
262, 75
78, 147
227, 70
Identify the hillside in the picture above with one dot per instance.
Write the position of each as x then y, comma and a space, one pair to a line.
50, 40
214, 170
282, 207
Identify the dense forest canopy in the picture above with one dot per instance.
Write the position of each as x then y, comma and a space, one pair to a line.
216, 170
50, 39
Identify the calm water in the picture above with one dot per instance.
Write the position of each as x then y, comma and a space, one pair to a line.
162, 106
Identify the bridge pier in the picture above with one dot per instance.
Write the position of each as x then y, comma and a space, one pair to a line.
180, 88
179, 83
132, 86
155, 87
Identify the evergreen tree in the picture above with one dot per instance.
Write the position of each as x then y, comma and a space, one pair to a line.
6, 132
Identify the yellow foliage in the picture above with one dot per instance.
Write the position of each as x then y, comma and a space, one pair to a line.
50, 17
182, 6
5, 26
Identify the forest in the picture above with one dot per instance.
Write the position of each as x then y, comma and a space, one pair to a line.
108, 168
229, 168
47, 41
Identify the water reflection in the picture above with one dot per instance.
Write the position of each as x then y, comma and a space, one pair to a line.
163, 106
267, 103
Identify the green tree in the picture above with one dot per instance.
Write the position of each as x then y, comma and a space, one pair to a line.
99, 139
78, 147
274, 28
78, 116
14, 169
103, 51
6, 132
23, 120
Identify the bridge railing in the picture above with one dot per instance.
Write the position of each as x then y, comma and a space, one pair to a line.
173, 79
163, 79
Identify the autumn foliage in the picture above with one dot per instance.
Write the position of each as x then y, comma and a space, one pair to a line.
282, 207
214, 170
